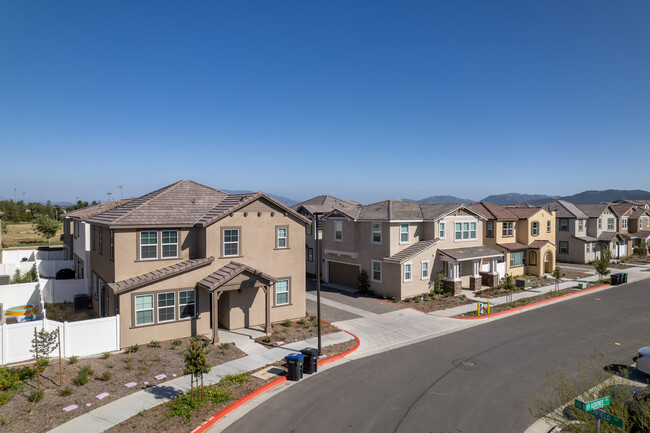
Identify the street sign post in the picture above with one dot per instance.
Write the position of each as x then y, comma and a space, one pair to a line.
613, 420
589, 406
593, 407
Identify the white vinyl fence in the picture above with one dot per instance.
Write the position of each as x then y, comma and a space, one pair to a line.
86, 337
49, 268
55, 291
14, 295
501, 269
10, 268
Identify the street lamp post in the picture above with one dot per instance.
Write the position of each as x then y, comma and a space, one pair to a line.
318, 265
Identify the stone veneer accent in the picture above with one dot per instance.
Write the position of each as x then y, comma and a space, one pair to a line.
490, 280
455, 287
475, 283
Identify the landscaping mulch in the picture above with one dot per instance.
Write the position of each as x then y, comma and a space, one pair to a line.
619, 266
20, 415
291, 331
429, 303
568, 274
495, 292
531, 300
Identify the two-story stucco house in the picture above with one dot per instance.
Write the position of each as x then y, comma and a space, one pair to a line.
1, 215
317, 207
187, 258
525, 235
402, 245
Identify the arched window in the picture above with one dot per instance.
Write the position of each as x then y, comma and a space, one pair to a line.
533, 258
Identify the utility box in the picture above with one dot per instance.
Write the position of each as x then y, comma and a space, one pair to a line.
521, 283
582, 285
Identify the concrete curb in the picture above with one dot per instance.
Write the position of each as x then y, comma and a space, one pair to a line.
236, 404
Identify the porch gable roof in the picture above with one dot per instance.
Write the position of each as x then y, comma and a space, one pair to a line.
411, 251
226, 273
471, 253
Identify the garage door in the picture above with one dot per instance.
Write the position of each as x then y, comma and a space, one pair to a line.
342, 274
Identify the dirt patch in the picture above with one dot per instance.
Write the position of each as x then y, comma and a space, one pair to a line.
619, 266
291, 331
19, 414
62, 312
568, 274
531, 300
336, 349
23, 234
495, 292
428, 303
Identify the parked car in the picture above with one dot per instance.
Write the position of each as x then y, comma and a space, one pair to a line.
643, 360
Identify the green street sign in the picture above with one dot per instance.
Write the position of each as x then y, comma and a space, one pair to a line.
615, 421
596, 404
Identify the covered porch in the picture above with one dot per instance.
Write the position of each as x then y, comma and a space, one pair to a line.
242, 285
466, 262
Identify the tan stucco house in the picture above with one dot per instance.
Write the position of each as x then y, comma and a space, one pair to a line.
1, 215
402, 246
525, 234
187, 258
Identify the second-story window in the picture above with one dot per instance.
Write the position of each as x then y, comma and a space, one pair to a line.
548, 226
535, 228
564, 224
610, 224
508, 229
112, 241
148, 245
169, 243
92, 237
308, 229
441, 230
403, 233
600, 223
624, 223
281, 237
489, 229
231, 242
101, 241
581, 225
376, 233
465, 231
338, 230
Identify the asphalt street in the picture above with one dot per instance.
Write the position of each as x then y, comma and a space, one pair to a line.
482, 379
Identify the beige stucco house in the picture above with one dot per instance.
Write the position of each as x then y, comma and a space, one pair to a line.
1, 215
187, 258
525, 235
402, 246
317, 207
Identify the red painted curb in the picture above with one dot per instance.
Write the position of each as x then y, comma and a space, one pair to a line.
501, 313
275, 382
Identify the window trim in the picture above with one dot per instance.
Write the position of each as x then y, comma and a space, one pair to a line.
422, 276
613, 225
162, 244
410, 272
310, 254
559, 247
581, 225
548, 226
135, 309
181, 305
508, 229
600, 223
277, 237
514, 254
288, 292
140, 244
223, 242
624, 223
489, 229
462, 231
534, 228
373, 232
442, 230
338, 224
158, 307
407, 233
372, 270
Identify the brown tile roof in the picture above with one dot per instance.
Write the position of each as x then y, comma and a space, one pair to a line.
91, 211
638, 212
514, 246
643, 234
404, 210
585, 238
607, 236
524, 212
182, 204
327, 203
564, 209
593, 210
157, 275
621, 209
411, 251
221, 276
499, 212
470, 253
539, 244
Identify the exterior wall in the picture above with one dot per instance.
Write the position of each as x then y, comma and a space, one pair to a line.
67, 237
1, 238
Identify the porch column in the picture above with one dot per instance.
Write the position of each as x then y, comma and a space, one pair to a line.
477, 268
452, 282
215, 316
475, 281
493, 265
267, 323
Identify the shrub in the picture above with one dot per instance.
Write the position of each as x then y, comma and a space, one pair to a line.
128, 362
133, 349
73, 359
176, 343
224, 347
36, 396
26, 373
106, 376
64, 392
83, 376
286, 323
267, 339
302, 322
155, 344
363, 282
233, 379
43, 362
8, 379
106, 355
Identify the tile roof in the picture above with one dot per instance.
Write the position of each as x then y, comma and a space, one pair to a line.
226, 273
481, 252
182, 204
411, 251
585, 238
404, 210
91, 211
593, 210
514, 246
638, 212
159, 274
564, 209
643, 234
500, 212
539, 244
621, 209
524, 212
607, 236
327, 203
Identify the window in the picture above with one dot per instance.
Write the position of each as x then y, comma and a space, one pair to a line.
465, 231
610, 224
548, 226
441, 230
535, 228
588, 246
281, 237
169, 243
75, 228
101, 241
320, 225
581, 225
282, 292
338, 230
112, 241
143, 309
407, 272
376, 270
230, 242
308, 229
186, 304
425, 270
508, 229
310, 254
600, 223
148, 245
564, 247
403, 233
533, 258
166, 307
624, 223
376, 233
564, 224
489, 229
516, 258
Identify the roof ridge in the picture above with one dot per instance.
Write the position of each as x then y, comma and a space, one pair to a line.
152, 195
203, 185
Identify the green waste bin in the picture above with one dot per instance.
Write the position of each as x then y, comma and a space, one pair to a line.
624, 275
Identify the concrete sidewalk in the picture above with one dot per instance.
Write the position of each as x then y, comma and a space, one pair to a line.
124, 408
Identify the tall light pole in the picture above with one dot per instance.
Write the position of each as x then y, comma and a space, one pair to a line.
318, 265
121, 187
108, 194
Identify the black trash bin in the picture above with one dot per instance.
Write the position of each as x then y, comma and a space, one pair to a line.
311, 360
294, 366
624, 275
615, 279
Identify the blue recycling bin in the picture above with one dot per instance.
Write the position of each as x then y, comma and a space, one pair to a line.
294, 365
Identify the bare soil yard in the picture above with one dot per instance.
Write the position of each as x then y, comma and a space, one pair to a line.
62, 312
23, 234
428, 303
291, 331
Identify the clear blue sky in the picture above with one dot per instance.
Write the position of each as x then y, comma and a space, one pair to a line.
362, 100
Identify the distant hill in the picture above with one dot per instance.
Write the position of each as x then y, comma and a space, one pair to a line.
443, 199
283, 200
607, 195
514, 198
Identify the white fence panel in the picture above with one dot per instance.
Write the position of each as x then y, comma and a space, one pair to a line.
10, 268
49, 268
13, 295
17, 340
16, 256
501, 269
89, 337
62, 290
